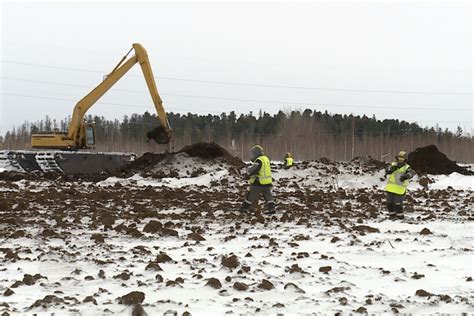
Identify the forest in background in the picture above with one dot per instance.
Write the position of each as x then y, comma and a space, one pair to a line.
307, 134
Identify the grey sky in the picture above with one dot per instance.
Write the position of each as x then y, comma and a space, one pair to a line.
418, 47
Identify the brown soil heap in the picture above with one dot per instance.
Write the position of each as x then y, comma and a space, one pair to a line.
147, 160
429, 160
207, 151
369, 163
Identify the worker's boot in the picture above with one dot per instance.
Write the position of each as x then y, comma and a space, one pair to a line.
399, 211
391, 211
245, 207
270, 208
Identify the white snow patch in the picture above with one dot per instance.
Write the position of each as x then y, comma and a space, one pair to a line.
202, 180
454, 180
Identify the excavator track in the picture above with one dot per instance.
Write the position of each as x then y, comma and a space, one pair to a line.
64, 161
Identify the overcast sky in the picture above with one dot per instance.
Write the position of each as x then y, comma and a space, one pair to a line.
405, 60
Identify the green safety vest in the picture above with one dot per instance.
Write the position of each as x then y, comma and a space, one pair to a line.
264, 175
395, 185
289, 161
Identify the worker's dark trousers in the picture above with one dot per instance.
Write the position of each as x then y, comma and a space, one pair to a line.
254, 193
395, 204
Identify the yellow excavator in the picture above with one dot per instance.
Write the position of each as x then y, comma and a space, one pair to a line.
64, 148
81, 135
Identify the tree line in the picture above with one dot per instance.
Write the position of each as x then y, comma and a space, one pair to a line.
307, 134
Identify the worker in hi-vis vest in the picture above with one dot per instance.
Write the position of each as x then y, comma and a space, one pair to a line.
289, 161
260, 179
399, 173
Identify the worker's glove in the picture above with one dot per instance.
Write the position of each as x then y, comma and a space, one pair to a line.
246, 176
404, 177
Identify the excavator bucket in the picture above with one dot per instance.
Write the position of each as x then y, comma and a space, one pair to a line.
159, 135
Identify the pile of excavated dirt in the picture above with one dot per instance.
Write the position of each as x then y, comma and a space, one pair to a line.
206, 151
429, 160
146, 161
369, 163
211, 151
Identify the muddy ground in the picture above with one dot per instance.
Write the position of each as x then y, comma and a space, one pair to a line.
173, 243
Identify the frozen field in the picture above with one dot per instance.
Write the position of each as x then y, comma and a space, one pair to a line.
177, 244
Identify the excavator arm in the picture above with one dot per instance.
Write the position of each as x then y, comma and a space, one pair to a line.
76, 135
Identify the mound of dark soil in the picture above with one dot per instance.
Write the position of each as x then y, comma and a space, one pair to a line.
429, 160
207, 151
211, 151
369, 163
146, 161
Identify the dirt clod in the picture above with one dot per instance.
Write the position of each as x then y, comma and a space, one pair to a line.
163, 257
230, 262
196, 237
152, 227
214, 283
98, 238
138, 310
425, 231
266, 285
8, 292
293, 287
132, 298
48, 300
422, 293
90, 299
361, 310
239, 286
365, 229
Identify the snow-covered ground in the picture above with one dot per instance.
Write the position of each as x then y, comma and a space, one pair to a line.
330, 247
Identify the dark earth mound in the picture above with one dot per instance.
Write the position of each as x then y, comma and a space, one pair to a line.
207, 151
211, 151
370, 163
146, 161
429, 160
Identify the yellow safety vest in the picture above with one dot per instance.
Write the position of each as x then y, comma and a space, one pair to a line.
264, 175
289, 161
395, 185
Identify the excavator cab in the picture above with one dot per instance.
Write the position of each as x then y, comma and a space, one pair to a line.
90, 135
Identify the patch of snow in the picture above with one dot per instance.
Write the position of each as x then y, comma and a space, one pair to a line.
454, 180
202, 180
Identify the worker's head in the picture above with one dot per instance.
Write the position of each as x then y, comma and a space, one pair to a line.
401, 157
288, 155
257, 151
